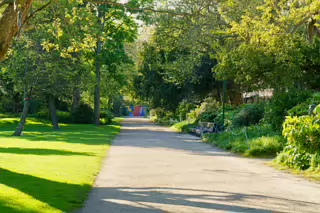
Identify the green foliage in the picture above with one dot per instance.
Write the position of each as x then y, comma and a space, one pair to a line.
250, 114
262, 141
63, 117
208, 111
83, 114
303, 108
265, 146
281, 102
157, 112
185, 106
184, 126
303, 147
106, 117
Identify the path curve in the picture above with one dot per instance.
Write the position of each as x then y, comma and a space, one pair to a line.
151, 169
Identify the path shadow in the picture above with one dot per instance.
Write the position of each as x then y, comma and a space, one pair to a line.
62, 196
148, 200
35, 151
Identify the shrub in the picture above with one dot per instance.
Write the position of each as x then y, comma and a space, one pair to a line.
209, 105
64, 117
157, 112
265, 146
83, 114
276, 109
303, 108
184, 107
43, 114
239, 146
106, 117
249, 115
303, 142
299, 110
262, 141
207, 111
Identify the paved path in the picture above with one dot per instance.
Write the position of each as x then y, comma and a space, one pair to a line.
151, 169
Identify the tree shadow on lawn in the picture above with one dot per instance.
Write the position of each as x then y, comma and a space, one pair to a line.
35, 151
81, 134
62, 196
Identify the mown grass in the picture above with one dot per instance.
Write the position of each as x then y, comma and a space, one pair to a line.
50, 171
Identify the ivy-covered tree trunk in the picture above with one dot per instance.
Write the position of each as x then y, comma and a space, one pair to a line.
53, 113
25, 111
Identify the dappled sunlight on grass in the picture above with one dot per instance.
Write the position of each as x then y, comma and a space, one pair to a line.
47, 170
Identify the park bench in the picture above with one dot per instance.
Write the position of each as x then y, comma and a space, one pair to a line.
204, 127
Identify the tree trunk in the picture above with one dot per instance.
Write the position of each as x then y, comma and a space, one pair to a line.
75, 100
98, 77
52, 107
15, 14
97, 88
25, 111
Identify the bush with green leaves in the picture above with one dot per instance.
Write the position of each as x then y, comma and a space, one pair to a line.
276, 109
207, 111
157, 112
303, 108
106, 117
184, 108
303, 142
250, 114
83, 114
64, 117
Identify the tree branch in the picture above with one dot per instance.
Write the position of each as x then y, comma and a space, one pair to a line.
34, 12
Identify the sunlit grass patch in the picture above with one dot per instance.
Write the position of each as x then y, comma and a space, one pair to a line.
47, 170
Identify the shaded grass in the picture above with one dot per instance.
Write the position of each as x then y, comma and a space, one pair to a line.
47, 170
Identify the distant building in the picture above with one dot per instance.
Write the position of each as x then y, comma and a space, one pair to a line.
256, 96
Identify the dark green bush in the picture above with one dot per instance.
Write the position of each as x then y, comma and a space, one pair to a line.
64, 117
208, 116
43, 114
249, 115
83, 114
281, 102
303, 108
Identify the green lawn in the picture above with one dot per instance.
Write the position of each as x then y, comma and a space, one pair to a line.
49, 171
